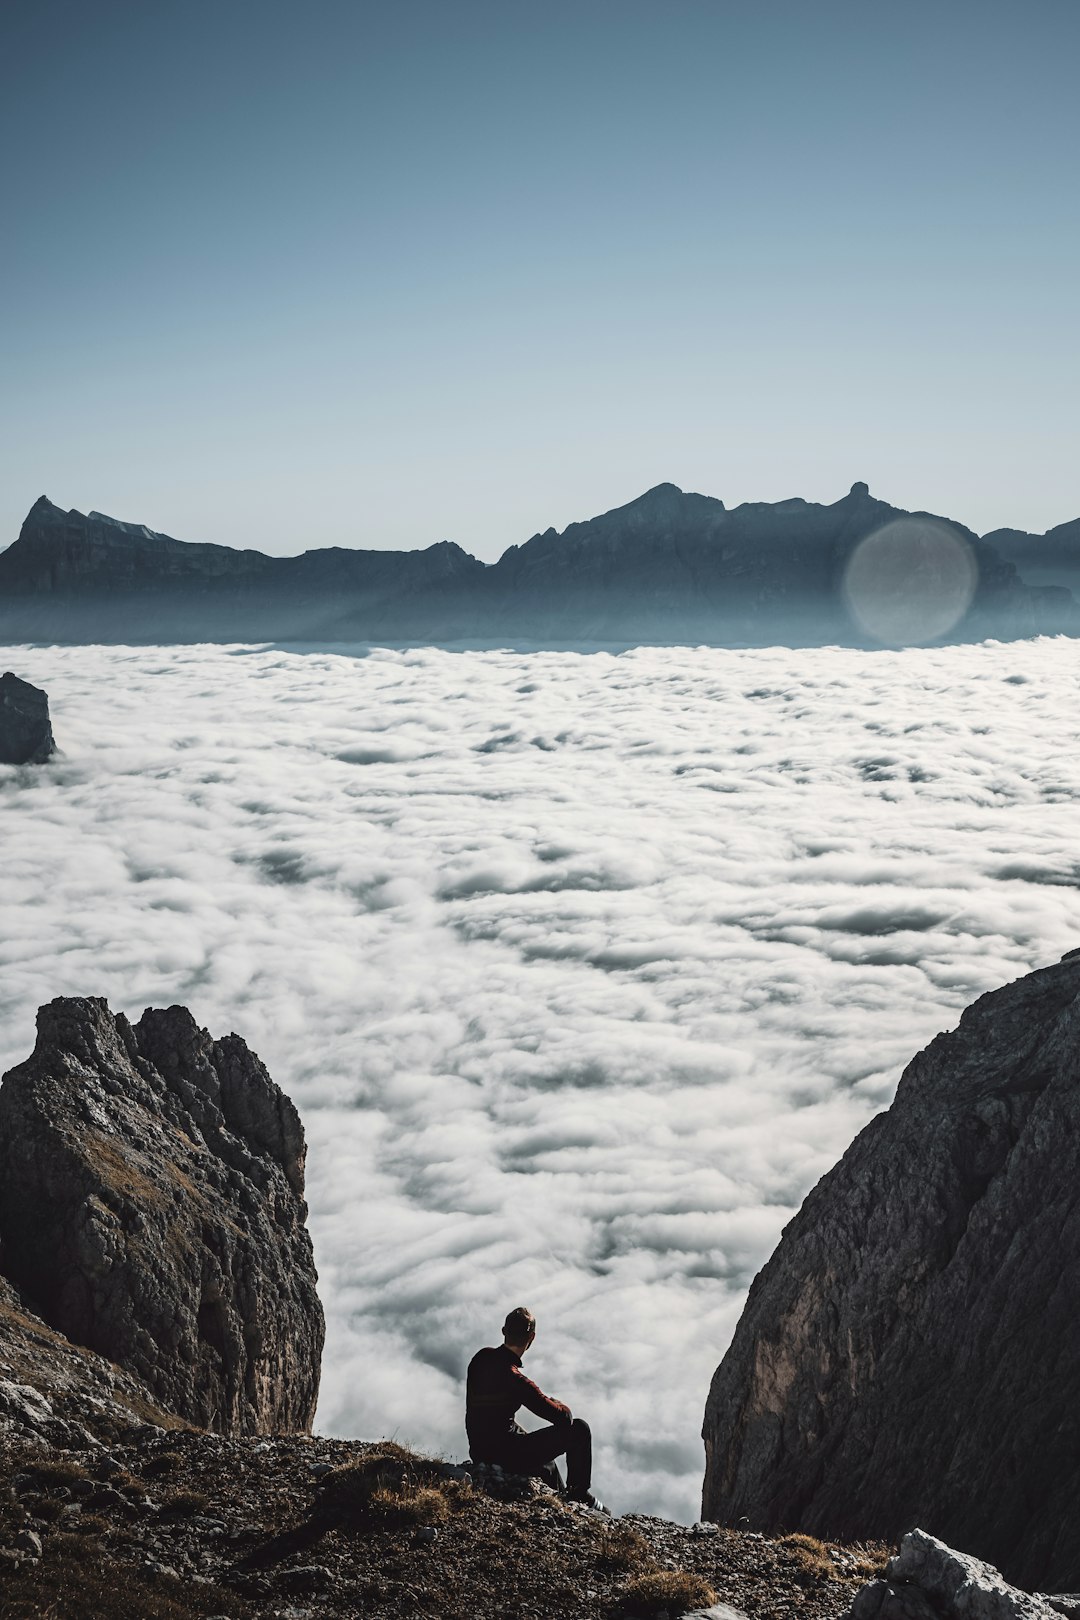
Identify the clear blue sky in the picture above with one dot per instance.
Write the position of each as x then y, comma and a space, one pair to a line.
288, 275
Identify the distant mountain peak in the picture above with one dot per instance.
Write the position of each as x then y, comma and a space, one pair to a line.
667, 567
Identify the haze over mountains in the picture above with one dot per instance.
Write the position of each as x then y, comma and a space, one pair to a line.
668, 567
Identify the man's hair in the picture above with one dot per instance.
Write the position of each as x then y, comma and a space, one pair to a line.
519, 1325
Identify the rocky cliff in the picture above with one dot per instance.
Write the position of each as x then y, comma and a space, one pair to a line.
669, 567
909, 1354
152, 1210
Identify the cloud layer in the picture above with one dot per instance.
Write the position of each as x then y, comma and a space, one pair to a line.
581, 969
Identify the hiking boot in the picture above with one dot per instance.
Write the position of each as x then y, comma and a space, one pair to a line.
587, 1499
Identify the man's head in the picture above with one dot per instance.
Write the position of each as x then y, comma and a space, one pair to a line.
519, 1329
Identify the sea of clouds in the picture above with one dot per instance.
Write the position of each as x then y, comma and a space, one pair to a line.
581, 968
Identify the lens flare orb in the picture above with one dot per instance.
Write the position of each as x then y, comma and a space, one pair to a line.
911, 581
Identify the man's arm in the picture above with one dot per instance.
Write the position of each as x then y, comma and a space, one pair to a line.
532, 1396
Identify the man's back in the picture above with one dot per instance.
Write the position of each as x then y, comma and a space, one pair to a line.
495, 1388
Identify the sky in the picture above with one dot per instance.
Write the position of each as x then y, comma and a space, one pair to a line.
580, 969
286, 275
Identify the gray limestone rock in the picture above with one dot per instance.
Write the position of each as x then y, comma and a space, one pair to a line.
929, 1581
151, 1209
26, 736
909, 1354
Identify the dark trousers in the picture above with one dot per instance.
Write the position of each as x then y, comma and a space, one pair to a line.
522, 1453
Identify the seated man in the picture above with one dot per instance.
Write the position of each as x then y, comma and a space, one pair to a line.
496, 1387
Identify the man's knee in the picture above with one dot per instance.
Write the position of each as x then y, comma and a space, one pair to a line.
580, 1429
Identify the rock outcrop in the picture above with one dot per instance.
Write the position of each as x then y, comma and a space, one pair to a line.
929, 1581
26, 736
54, 1394
152, 1210
909, 1354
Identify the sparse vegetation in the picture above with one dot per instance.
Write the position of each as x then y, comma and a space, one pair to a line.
530, 1557
810, 1556
51, 1474
389, 1488
395, 1506
120, 1174
619, 1548
77, 1580
868, 1560
665, 1591
182, 1504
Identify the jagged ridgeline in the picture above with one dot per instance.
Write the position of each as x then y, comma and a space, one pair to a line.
669, 567
152, 1210
909, 1355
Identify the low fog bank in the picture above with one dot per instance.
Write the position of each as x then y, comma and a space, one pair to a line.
581, 969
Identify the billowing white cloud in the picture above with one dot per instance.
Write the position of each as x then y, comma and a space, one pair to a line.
581, 969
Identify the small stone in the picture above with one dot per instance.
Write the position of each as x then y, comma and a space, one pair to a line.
105, 1497
426, 1535
28, 1541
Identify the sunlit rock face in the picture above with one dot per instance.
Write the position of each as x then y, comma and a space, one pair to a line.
151, 1207
909, 1353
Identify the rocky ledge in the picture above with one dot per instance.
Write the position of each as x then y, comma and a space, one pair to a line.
152, 1211
178, 1524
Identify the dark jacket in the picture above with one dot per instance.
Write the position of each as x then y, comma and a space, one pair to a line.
494, 1389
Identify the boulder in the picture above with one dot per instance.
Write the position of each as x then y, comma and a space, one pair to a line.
152, 1210
26, 736
909, 1353
929, 1581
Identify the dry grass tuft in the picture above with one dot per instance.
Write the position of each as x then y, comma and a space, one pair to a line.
621, 1549
50, 1474
870, 1557
394, 1507
91, 1524
50, 1510
183, 1504
810, 1556
665, 1591
388, 1488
